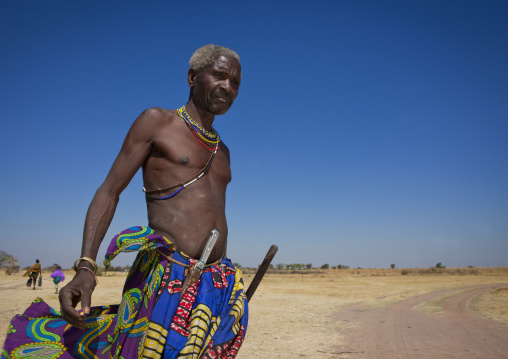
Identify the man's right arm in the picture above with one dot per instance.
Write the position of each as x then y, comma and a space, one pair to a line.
135, 149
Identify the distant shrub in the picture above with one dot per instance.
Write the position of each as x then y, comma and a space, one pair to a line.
100, 271
404, 272
8, 263
431, 270
106, 265
296, 266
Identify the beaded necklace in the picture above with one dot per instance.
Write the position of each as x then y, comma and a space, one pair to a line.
196, 130
210, 137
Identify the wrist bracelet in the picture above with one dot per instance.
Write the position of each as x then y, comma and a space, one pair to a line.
91, 271
89, 260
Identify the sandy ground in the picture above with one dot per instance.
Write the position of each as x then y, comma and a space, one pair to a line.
432, 325
345, 314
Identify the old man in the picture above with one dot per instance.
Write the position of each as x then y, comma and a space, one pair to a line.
165, 312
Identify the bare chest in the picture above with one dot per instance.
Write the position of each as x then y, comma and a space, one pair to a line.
177, 160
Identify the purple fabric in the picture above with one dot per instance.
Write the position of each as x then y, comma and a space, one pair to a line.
58, 273
154, 319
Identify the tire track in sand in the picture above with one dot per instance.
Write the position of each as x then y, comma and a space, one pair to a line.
14, 284
400, 331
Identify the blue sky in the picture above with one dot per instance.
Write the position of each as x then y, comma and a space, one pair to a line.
365, 133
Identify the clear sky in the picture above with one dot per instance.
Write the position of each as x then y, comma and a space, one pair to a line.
365, 133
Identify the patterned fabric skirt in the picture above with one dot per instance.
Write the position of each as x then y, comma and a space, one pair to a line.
154, 319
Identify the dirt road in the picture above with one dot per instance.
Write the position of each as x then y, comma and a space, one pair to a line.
432, 325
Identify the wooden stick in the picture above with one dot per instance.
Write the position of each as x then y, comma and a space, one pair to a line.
261, 271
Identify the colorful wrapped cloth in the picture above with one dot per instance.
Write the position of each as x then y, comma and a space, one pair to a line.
58, 276
154, 319
33, 271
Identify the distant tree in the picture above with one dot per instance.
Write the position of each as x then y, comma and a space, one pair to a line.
52, 268
296, 266
392, 266
8, 263
106, 264
325, 266
309, 266
440, 265
3, 257
237, 265
280, 266
334, 267
341, 266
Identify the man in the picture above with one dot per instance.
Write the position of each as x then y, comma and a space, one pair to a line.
186, 169
33, 272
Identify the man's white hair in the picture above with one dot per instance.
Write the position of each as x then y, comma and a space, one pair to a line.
202, 57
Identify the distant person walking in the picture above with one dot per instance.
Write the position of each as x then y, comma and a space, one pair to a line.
33, 272
58, 277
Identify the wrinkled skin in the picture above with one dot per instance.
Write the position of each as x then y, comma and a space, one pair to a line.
162, 145
78, 290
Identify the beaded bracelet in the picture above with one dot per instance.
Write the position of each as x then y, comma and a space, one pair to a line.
91, 271
89, 260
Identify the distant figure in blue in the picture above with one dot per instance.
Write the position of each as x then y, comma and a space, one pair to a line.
58, 277
164, 313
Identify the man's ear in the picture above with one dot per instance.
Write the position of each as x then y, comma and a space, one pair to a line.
191, 75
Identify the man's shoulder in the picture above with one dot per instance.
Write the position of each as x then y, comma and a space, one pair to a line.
157, 117
158, 113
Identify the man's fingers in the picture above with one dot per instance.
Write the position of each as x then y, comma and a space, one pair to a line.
76, 319
68, 301
79, 289
86, 302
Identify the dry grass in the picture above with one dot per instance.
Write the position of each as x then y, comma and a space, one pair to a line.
291, 314
493, 305
436, 304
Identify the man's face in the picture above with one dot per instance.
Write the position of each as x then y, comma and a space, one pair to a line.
216, 86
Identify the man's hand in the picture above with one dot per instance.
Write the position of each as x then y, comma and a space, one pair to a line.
79, 289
